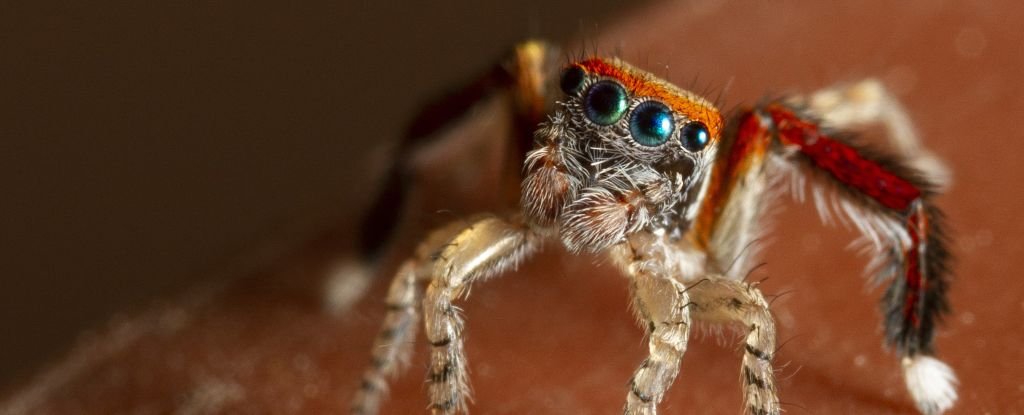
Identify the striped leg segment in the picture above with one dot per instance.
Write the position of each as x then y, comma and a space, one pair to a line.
393, 344
662, 308
917, 256
909, 224
484, 249
722, 300
882, 196
468, 253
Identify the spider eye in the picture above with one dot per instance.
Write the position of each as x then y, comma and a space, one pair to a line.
572, 80
695, 136
651, 124
605, 103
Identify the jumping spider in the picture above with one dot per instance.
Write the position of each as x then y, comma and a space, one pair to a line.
656, 178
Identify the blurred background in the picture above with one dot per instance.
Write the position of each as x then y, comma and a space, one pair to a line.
147, 146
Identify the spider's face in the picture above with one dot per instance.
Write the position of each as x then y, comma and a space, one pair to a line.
624, 152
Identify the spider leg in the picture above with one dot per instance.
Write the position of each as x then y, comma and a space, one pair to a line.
883, 196
393, 344
723, 300
661, 305
866, 102
486, 248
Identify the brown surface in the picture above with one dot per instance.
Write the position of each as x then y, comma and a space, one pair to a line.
555, 337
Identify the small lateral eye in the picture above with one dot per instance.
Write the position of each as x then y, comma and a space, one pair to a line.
695, 136
572, 80
605, 103
651, 124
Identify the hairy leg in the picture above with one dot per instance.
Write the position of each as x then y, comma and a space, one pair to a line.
661, 306
882, 195
866, 102
722, 300
393, 344
485, 248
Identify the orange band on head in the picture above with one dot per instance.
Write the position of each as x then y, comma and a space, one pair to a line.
640, 83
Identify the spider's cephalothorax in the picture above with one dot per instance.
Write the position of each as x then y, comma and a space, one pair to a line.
634, 168
624, 152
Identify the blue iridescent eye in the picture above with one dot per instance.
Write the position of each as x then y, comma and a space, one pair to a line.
572, 80
695, 136
651, 124
605, 103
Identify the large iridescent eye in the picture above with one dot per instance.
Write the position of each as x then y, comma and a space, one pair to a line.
651, 124
572, 80
605, 103
695, 136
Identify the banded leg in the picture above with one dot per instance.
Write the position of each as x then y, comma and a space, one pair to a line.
393, 345
486, 248
661, 304
721, 300
849, 106
888, 201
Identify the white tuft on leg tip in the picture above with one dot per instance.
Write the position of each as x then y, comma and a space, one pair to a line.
931, 383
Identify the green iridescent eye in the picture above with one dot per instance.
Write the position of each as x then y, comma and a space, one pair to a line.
606, 102
651, 124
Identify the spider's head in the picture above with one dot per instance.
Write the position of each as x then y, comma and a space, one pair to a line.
624, 152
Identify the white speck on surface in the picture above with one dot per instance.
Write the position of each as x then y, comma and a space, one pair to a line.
967, 318
209, 397
983, 238
173, 319
860, 360
811, 242
901, 80
785, 319
302, 363
970, 42
310, 390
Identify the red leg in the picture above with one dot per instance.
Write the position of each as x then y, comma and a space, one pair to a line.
917, 297
884, 197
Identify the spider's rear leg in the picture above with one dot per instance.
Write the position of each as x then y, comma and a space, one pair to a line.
486, 248
523, 79
723, 300
662, 307
867, 102
883, 196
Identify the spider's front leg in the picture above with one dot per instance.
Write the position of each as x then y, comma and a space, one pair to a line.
722, 300
451, 258
661, 305
487, 247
